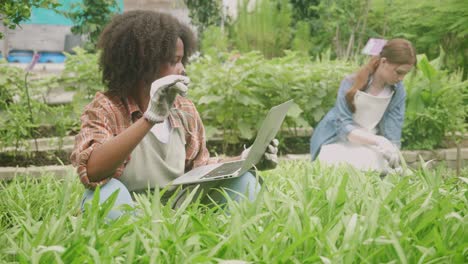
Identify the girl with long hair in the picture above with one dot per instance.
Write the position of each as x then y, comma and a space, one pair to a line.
364, 127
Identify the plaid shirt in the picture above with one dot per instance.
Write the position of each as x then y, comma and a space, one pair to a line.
108, 115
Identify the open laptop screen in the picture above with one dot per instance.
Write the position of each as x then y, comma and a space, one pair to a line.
266, 134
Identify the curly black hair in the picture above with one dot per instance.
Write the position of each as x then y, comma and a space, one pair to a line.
135, 44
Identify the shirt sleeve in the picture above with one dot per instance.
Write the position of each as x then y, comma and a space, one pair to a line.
95, 130
344, 119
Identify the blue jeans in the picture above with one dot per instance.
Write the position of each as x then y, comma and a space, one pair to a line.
245, 185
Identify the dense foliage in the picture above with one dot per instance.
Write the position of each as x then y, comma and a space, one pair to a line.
436, 105
307, 214
344, 26
15, 121
430, 25
232, 95
234, 91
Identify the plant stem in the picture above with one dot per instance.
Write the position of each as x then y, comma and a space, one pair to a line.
30, 109
459, 159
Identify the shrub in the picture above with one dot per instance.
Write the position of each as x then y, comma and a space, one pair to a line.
435, 106
233, 95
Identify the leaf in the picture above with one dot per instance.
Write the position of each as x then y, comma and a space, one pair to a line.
427, 69
208, 99
245, 130
301, 122
210, 131
44, 249
318, 114
464, 179
294, 111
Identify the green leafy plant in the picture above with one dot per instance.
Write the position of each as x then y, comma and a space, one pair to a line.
301, 41
16, 124
435, 106
429, 25
82, 73
17, 127
232, 95
11, 80
222, 98
19, 123
304, 10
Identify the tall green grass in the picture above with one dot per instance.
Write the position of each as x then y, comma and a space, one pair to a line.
305, 214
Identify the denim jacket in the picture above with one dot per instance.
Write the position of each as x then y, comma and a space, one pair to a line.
338, 122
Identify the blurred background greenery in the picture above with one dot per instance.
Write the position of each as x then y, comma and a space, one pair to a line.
272, 51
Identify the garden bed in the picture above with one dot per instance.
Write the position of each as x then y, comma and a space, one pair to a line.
56, 150
294, 145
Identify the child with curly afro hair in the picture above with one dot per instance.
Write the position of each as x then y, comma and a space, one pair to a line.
143, 132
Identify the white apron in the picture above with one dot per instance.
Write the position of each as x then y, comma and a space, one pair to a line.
154, 163
369, 111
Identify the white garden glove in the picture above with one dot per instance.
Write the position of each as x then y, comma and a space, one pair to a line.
163, 93
389, 151
270, 157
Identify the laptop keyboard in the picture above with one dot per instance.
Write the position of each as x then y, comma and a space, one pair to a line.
225, 169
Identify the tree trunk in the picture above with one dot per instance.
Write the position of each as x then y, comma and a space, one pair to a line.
350, 45
5, 40
336, 41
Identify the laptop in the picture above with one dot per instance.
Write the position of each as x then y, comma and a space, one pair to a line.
232, 169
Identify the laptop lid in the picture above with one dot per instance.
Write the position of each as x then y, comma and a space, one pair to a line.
266, 134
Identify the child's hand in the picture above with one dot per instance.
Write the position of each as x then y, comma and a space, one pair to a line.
163, 93
270, 157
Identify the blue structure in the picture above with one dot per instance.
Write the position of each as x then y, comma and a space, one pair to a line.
51, 57
20, 56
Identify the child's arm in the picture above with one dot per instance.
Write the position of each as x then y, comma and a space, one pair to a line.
106, 158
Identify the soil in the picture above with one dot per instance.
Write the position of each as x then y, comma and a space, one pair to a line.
26, 159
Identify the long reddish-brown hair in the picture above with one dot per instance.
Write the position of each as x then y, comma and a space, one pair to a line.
396, 51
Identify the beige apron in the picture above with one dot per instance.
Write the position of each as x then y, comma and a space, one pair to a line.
369, 111
154, 164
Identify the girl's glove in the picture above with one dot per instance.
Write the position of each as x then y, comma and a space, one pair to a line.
389, 151
163, 94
